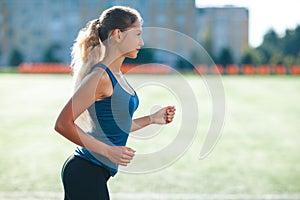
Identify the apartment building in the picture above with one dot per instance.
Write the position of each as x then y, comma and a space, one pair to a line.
37, 28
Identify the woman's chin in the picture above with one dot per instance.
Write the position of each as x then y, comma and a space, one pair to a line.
132, 56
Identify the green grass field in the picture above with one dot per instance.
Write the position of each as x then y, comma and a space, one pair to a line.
258, 152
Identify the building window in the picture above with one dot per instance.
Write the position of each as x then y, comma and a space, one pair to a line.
180, 20
180, 5
56, 16
37, 5
24, 41
10, 33
162, 5
161, 20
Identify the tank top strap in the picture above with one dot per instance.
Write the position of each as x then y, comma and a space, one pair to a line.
110, 74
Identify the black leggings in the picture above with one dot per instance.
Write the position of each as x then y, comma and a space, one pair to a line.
84, 180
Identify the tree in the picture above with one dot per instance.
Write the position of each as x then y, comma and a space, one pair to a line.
265, 53
277, 58
225, 57
298, 59
271, 38
200, 56
183, 65
291, 42
208, 44
284, 50
289, 60
146, 55
50, 54
16, 57
251, 56
270, 45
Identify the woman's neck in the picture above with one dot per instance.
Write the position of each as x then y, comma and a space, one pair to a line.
112, 62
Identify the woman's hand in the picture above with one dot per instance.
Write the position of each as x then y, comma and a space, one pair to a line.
120, 155
163, 116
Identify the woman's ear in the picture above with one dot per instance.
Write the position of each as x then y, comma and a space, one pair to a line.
117, 34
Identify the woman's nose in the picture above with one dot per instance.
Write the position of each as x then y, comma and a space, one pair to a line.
141, 42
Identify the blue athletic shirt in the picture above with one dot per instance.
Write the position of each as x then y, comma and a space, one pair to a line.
112, 119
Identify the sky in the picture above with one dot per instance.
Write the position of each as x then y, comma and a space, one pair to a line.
264, 15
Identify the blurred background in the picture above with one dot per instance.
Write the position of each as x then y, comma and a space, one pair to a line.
232, 32
257, 156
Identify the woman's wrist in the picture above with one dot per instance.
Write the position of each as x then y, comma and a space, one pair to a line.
104, 149
151, 120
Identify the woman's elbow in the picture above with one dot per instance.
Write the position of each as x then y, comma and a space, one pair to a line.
58, 126
63, 124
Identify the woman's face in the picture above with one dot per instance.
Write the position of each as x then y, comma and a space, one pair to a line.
131, 41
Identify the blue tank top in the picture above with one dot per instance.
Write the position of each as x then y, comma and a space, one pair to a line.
112, 119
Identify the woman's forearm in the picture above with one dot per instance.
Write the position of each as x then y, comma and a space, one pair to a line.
120, 155
163, 116
76, 135
141, 122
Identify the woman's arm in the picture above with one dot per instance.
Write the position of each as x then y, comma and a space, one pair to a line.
163, 116
95, 86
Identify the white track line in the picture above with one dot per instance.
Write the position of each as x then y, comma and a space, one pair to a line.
153, 196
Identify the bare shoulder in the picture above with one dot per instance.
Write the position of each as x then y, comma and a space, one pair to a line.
103, 83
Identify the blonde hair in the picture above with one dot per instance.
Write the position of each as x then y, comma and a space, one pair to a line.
88, 48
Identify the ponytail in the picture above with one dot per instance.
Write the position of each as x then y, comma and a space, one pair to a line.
86, 51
